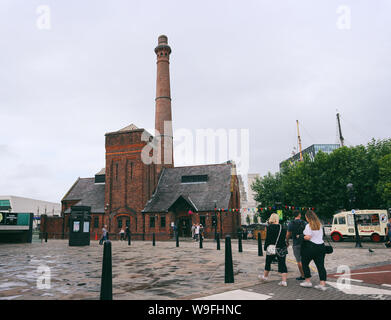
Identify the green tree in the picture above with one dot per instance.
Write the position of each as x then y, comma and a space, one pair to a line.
321, 182
384, 184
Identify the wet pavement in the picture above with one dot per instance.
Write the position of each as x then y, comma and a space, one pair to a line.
146, 272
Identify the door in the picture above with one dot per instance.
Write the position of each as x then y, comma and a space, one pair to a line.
184, 227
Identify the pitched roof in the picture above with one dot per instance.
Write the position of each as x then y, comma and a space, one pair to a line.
101, 172
202, 195
89, 194
129, 128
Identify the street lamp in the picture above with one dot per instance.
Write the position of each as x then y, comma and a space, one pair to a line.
352, 199
215, 220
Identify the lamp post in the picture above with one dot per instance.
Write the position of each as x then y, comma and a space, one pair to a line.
215, 221
352, 199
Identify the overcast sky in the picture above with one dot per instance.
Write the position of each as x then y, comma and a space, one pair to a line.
256, 65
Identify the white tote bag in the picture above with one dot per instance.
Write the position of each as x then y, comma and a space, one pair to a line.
271, 249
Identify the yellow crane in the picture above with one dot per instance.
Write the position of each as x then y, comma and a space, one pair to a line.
299, 140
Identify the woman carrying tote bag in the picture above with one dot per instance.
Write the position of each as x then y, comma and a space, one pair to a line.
275, 246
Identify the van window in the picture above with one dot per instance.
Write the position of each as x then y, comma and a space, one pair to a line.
363, 219
375, 219
335, 220
341, 220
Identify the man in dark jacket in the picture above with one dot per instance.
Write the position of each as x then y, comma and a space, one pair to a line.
127, 232
295, 230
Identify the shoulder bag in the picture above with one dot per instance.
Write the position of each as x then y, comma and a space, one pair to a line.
271, 249
328, 249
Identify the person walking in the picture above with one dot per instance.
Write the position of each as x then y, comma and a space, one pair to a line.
193, 231
127, 233
122, 234
275, 236
104, 234
388, 234
313, 248
197, 231
295, 230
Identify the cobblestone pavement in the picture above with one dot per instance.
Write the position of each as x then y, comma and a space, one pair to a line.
141, 271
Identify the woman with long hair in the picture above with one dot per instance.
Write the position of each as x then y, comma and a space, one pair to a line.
275, 235
313, 248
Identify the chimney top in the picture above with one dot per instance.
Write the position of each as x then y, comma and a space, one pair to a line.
163, 44
162, 39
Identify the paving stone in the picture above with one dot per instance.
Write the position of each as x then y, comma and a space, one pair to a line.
141, 271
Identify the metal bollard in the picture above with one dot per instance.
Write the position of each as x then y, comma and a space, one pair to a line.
240, 242
260, 252
46, 237
218, 241
153, 239
177, 239
229, 269
106, 285
200, 241
129, 239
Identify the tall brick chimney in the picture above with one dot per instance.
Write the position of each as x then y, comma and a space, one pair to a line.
163, 119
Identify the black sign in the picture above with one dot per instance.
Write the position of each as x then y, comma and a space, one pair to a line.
11, 218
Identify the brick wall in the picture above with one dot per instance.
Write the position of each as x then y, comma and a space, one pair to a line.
129, 181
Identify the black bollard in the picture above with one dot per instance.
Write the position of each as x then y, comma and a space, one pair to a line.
240, 242
106, 285
229, 269
153, 239
46, 237
200, 241
129, 239
260, 252
177, 239
218, 241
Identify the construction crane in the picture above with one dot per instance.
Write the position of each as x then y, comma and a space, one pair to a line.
299, 140
341, 139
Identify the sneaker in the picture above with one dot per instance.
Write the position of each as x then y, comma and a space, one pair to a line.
320, 287
306, 284
300, 279
262, 278
282, 284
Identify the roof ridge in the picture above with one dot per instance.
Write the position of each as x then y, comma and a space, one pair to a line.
202, 165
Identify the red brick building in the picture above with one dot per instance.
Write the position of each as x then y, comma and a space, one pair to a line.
151, 197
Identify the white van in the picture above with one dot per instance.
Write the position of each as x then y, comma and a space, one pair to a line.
370, 223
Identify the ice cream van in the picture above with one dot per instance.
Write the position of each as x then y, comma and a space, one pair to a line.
370, 223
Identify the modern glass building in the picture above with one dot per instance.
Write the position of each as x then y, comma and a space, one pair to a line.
312, 151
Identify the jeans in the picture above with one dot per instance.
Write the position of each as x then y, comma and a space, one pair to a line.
311, 251
281, 263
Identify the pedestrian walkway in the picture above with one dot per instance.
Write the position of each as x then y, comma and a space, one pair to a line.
142, 271
271, 291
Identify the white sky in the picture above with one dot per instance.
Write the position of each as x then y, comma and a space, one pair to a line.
257, 65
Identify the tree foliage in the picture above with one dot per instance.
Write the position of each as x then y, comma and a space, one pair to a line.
321, 182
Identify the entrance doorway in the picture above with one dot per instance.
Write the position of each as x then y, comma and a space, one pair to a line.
184, 226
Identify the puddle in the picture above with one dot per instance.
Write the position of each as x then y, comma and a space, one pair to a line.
9, 298
8, 285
